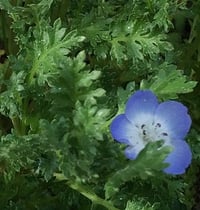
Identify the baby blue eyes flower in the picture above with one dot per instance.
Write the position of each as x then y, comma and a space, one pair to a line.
145, 120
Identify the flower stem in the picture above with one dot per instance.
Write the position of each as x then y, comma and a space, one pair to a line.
86, 192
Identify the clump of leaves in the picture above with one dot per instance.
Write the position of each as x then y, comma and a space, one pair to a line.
70, 68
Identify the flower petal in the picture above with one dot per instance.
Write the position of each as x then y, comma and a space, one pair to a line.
125, 132
121, 129
179, 159
141, 106
174, 117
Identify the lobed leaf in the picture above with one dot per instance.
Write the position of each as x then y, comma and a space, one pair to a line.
168, 83
147, 164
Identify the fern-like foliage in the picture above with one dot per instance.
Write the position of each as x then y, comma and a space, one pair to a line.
67, 68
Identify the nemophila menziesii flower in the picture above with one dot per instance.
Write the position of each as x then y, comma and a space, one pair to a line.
145, 120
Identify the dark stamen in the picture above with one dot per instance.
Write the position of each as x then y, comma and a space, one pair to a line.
144, 132
158, 125
142, 126
164, 134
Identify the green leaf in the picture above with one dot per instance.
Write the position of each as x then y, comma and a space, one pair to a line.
148, 163
6, 5
118, 51
50, 50
139, 205
48, 164
168, 83
138, 43
123, 95
161, 16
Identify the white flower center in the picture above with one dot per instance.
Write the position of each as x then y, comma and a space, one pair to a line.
152, 132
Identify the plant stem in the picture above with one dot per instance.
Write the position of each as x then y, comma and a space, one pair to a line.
85, 192
18, 126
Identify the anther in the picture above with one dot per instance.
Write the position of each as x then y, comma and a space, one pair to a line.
164, 134
158, 125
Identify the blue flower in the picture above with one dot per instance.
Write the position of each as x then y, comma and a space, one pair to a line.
145, 120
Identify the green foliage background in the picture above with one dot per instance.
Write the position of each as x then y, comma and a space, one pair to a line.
67, 68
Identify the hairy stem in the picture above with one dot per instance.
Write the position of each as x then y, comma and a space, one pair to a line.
86, 192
